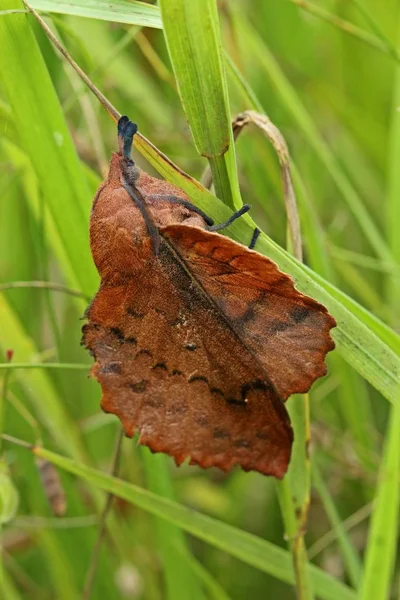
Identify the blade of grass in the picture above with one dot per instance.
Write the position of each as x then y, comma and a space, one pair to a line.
372, 22
30, 183
260, 53
362, 288
271, 131
357, 329
9, 497
55, 287
245, 546
46, 139
330, 536
393, 194
346, 26
294, 490
59, 567
187, 587
375, 325
382, 539
180, 581
215, 591
7, 585
354, 400
350, 557
113, 64
193, 38
43, 394
49, 365
117, 11
380, 554
361, 260
294, 495
95, 554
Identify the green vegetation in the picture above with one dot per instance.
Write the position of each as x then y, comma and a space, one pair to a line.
328, 77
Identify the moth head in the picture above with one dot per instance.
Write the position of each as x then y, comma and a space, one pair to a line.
126, 131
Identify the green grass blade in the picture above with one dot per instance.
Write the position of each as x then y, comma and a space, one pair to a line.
180, 580
46, 139
215, 591
294, 494
375, 360
323, 272
60, 568
43, 394
9, 497
353, 398
7, 585
242, 232
364, 341
60, 204
345, 26
393, 195
117, 11
244, 546
46, 366
373, 23
286, 92
293, 522
350, 557
192, 33
378, 327
146, 99
29, 181
382, 539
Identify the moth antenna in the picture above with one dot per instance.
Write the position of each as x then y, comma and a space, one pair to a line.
126, 131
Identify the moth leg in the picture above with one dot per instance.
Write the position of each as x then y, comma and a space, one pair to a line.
245, 208
186, 203
254, 238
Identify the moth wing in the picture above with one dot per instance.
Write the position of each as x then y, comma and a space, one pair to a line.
286, 331
171, 368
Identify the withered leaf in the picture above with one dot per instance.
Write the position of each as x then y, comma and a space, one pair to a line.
197, 339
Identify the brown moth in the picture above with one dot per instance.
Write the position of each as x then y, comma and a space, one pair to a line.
198, 340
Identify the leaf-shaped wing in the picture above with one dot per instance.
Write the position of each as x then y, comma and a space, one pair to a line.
171, 367
286, 331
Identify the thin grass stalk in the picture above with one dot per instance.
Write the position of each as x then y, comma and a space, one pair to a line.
297, 482
94, 559
347, 27
380, 556
373, 23
253, 550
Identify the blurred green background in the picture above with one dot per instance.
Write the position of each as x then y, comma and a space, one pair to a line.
335, 98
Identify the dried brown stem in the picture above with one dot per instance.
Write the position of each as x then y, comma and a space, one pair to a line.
102, 99
278, 142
